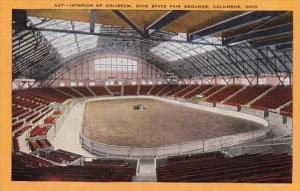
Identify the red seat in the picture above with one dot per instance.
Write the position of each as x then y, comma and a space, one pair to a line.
274, 99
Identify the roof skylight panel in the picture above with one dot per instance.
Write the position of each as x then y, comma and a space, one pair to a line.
66, 43
183, 50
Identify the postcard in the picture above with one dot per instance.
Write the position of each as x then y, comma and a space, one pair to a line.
150, 95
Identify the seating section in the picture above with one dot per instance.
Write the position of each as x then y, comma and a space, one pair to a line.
247, 95
22, 159
212, 90
17, 125
99, 90
197, 91
54, 93
69, 91
130, 90
39, 131
287, 110
20, 131
215, 167
39, 96
157, 88
39, 144
74, 173
18, 111
37, 169
168, 89
176, 89
185, 91
115, 89
59, 156
84, 91
144, 89
224, 93
30, 106
274, 99
26, 101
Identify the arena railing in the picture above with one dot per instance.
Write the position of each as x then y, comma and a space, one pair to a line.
204, 145
199, 146
281, 147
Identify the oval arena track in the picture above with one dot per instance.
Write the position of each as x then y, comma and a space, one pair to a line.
115, 122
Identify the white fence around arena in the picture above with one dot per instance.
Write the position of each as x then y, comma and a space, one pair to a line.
206, 145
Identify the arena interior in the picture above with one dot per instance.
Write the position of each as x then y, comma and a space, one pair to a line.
152, 96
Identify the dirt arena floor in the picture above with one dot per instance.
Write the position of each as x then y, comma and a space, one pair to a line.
115, 122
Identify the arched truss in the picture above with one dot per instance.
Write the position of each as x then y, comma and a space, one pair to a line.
86, 57
35, 56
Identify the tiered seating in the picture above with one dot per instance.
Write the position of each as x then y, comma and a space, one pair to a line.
224, 93
32, 115
35, 115
115, 89
60, 156
197, 91
175, 90
84, 91
212, 90
74, 173
25, 115
214, 167
39, 131
49, 120
21, 130
50, 94
26, 102
30, 168
17, 125
40, 144
167, 90
18, 111
54, 93
187, 90
26, 160
69, 91
41, 115
99, 90
29, 106
287, 110
248, 94
274, 99
157, 88
130, 90
144, 89
42, 96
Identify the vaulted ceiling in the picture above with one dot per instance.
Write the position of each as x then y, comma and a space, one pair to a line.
186, 43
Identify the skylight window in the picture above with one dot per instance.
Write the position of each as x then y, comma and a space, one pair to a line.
173, 51
65, 43
116, 64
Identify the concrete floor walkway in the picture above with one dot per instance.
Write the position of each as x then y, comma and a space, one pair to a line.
67, 137
146, 172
